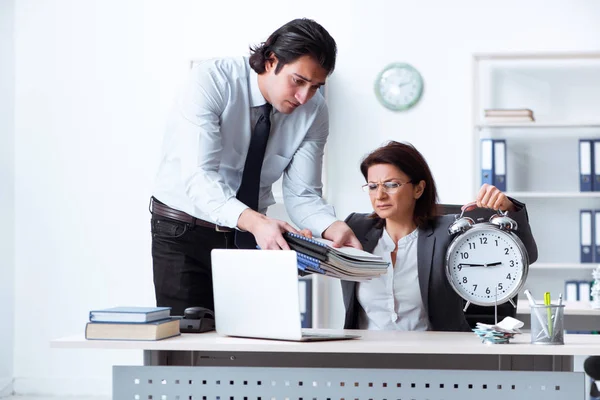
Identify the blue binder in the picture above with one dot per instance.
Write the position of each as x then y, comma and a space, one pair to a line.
586, 172
596, 165
309, 263
487, 161
301, 265
305, 294
499, 170
596, 237
586, 236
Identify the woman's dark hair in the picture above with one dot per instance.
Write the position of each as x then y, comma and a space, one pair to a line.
407, 159
293, 40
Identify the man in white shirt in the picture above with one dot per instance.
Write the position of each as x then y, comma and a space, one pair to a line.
238, 126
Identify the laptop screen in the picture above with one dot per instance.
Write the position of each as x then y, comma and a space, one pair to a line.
256, 293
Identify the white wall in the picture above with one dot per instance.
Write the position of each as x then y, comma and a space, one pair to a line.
7, 194
95, 80
438, 38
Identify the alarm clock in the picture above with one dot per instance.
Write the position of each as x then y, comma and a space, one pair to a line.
398, 86
486, 262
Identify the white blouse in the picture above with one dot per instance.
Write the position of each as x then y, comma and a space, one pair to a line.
393, 300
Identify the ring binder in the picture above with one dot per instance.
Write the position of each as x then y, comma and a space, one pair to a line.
585, 236
586, 172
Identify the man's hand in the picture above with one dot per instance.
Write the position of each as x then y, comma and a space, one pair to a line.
490, 196
341, 235
267, 231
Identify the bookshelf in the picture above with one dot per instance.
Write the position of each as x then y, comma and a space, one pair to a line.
543, 125
542, 157
555, 195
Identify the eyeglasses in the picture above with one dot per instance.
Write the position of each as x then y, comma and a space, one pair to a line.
388, 187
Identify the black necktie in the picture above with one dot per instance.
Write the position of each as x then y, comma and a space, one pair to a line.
248, 192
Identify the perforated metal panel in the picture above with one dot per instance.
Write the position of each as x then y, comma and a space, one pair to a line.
260, 383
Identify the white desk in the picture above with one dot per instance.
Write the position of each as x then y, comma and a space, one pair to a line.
579, 315
380, 365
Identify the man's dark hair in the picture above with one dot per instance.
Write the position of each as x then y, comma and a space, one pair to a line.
407, 159
293, 40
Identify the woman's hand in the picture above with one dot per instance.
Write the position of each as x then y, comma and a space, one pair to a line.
341, 235
306, 233
490, 196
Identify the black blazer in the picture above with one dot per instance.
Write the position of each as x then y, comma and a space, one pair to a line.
442, 304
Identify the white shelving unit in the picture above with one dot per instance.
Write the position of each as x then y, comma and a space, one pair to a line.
554, 195
542, 168
537, 125
566, 266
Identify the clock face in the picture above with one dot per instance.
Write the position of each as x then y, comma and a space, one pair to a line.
399, 86
485, 262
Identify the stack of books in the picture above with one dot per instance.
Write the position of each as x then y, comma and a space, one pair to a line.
132, 323
503, 115
320, 257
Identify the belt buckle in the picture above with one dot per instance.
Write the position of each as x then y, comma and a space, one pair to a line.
222, 229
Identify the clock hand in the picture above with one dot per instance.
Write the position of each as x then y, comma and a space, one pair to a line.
473, 265
493, 264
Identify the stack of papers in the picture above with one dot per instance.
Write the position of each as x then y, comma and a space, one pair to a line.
500, 333
320, 257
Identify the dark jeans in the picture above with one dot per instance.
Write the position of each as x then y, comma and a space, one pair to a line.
182, 265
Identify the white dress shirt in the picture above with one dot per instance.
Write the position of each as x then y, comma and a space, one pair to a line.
392, 301
207, 140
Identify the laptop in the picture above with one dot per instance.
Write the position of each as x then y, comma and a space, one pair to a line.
257, 295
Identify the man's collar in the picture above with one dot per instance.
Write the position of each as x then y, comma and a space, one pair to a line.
256, 97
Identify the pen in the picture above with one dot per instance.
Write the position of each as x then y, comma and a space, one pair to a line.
534, 310
547, 303
557, 310
529, 297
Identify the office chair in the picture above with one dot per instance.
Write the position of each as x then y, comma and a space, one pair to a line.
591, 366
477, 313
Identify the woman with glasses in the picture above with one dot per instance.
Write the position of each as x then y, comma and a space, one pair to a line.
406, 229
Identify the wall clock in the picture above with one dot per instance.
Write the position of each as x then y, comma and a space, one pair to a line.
399, 86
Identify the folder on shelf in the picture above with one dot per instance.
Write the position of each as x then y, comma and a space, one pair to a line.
585, 165
584, 291
586, 228
487, 161
596, 166
499, 157
305, 292
596, 246
571, 291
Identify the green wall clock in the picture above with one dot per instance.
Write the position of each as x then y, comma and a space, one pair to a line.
399, 86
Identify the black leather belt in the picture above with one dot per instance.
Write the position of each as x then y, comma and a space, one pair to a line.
158, 208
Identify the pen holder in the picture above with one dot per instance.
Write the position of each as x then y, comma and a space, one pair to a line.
547, 324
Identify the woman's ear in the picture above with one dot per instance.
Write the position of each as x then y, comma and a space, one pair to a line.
419, 189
